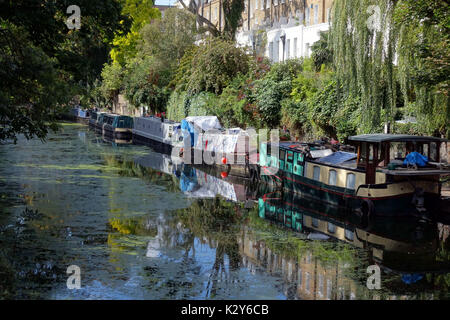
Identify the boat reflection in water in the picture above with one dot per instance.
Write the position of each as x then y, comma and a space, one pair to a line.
407, 248
324, 257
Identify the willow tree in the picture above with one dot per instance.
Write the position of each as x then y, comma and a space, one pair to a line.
379, 46
424, 62
362, 38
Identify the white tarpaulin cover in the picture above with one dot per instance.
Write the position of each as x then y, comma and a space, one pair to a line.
205, 122
211, 186
222, 143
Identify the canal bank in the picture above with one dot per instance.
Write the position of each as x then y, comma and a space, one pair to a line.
138, 232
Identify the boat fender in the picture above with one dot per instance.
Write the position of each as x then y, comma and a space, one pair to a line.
224, 160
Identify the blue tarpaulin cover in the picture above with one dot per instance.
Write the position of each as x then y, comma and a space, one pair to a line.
416, 158
188, 129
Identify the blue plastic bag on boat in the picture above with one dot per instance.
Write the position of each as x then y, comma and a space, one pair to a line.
416, 158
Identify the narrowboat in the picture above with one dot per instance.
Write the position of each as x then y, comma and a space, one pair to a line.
158, 133
94, 118
98, 124
205, 142
117, 126
79, 115
380, 178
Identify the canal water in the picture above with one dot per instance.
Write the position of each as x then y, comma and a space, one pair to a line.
140, 225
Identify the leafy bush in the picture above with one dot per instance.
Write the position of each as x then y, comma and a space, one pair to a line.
202, 104
176, 106
211, 66
273, 88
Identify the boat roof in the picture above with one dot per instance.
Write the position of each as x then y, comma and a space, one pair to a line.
381, 137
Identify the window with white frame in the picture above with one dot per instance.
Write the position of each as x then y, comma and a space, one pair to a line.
288, 48
268, 4
307, 18
256, 4
316, 173
332, 177
316, 14
271, 50
350, 183
331, 227
294, 52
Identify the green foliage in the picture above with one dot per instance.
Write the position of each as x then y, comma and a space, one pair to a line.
31, 89
232, 11
202, 104
44, 64
424, 62
176, 106
212, 66
275, 86
145, 83
112, 77
140, 13
170, 37
321, 52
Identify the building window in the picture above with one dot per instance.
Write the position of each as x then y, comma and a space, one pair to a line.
331, 228
275, 2
329, 289
268, 4
294, 53
328, 14
332, 177
288, 47
307, 50
299, 277
256, 4
282, 155
316, 173
307, 19
320, 291
307, 281
350, 183
316, 14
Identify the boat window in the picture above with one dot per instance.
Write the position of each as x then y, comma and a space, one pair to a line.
282, 154
350, 183
331, 228
315, 222
316, 173
332, 178
299, 159
349, 235
290, 157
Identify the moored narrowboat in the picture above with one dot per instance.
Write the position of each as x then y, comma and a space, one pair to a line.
158, 133
117, 126
380, 178
205, 142
94, 118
